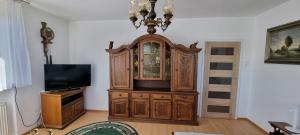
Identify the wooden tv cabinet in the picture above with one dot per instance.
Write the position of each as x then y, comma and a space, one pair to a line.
59, 109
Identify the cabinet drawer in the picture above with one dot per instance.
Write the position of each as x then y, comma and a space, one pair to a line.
190, 98
161, 96
140, 95
115, 95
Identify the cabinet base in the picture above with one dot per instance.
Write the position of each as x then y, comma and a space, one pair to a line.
177, 122
66, 124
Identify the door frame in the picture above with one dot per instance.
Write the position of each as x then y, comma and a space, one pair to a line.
235, 74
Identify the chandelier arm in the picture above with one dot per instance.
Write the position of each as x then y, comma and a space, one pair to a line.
159, 22
162, 24
139, 24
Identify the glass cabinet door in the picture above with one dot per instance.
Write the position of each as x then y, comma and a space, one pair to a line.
151, 61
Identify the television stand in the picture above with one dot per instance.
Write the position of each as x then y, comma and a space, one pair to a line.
60, 109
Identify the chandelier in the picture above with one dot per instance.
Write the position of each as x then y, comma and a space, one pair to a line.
145, 8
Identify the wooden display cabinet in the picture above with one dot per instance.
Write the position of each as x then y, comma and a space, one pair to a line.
59, 109
153, 79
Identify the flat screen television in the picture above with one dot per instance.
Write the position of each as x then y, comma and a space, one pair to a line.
66, 76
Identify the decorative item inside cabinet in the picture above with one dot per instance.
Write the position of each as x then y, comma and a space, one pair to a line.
136, 62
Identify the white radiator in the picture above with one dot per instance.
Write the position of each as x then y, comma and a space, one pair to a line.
3, 119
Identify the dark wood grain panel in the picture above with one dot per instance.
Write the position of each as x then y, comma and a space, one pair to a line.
161, 109
184, 71
120, 70
184, 107
119, 107
140, 108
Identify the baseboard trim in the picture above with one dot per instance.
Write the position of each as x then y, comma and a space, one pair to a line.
91, 110
28, 132
88, 110
254, 124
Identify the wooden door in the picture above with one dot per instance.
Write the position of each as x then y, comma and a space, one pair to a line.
119, 107
78, 107
184, 72
140, 108
184, 107
67, 113
161, 109
220, 79
120, 70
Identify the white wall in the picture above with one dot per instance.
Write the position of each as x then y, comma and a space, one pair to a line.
88, 39
275, 87
28, 97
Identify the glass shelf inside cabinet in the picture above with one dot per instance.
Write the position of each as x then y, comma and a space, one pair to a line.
151, 60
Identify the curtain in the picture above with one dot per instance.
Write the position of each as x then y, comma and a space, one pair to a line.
15, 69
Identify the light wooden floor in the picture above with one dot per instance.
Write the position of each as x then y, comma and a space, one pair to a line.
213, 126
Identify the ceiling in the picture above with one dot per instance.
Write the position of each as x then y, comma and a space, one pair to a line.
118, 9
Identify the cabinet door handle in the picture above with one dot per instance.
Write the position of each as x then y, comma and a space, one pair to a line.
141, 95
162, 96
176, 69
120, 95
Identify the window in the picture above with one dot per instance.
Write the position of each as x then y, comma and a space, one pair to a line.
15, 68
2, 75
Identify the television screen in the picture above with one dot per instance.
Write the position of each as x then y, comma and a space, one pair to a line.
66, 76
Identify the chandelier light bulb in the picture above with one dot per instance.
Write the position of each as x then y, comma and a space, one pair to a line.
144, 5
167, 10
169, 7
132, 2
133, 13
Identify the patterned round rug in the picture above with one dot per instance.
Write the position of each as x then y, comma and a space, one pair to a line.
105, 128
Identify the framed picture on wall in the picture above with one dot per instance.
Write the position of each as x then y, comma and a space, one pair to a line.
283, 44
